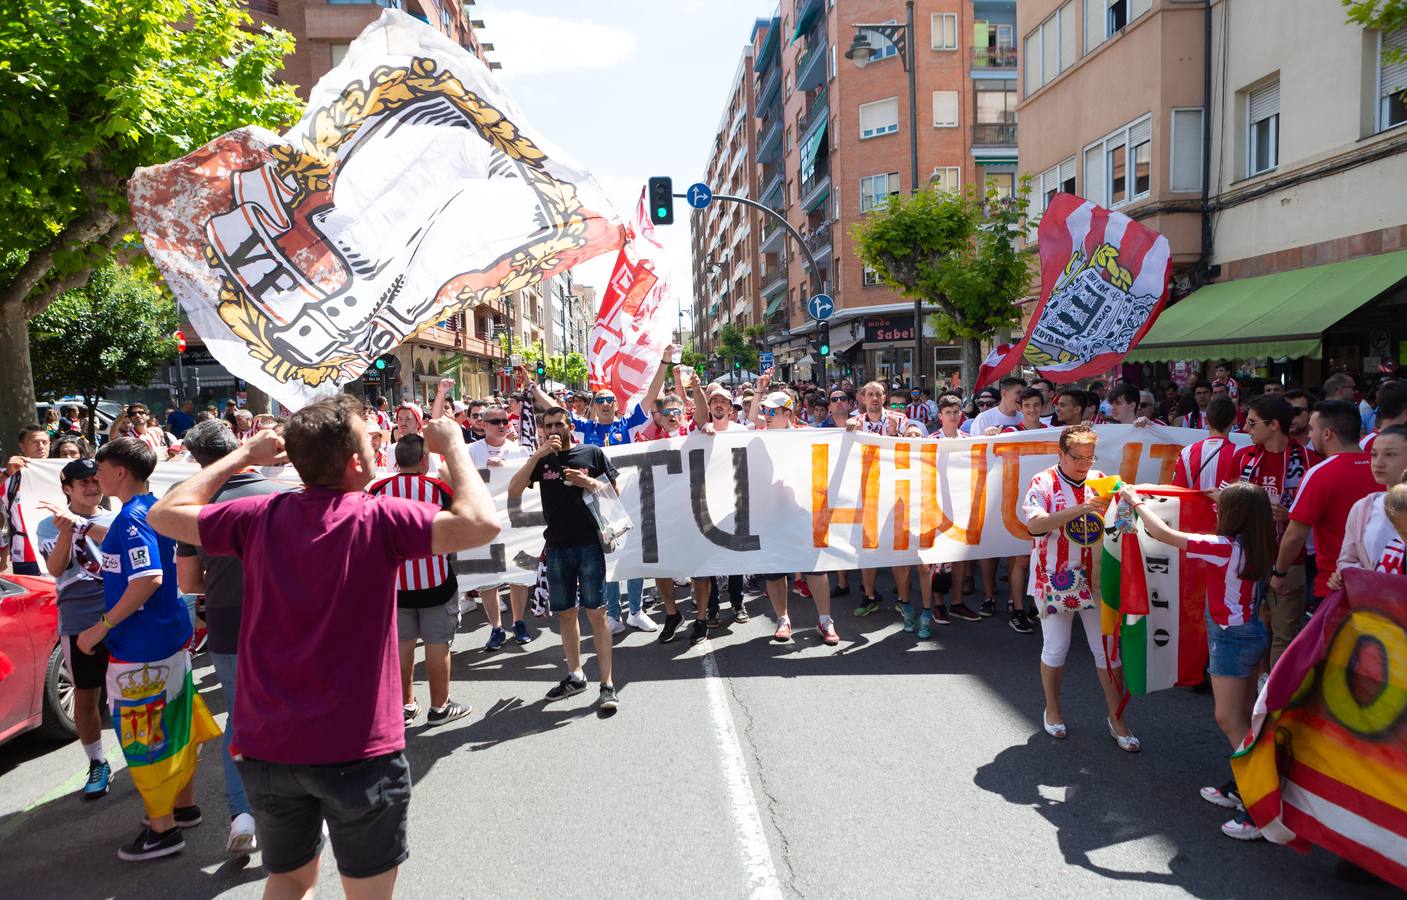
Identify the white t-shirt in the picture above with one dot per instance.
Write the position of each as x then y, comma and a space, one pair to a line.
480, 452
994, 418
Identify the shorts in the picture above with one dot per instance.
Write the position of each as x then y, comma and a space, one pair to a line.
1235, 652
785, 575
431, 624
576, 576
365, 804
88, 671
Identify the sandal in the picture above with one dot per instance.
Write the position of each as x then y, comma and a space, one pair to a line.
1127, 742
1056, 730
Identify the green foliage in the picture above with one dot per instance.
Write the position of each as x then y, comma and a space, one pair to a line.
569, 370
116, 330
756, 333
732, 345
92, 89
693, 358
1380, 15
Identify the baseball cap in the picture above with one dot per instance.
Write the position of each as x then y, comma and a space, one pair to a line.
718, 390
460, 406
777, 400
78, 469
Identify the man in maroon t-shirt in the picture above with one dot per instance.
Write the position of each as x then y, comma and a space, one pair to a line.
1278, 463
319, 703
1328, 492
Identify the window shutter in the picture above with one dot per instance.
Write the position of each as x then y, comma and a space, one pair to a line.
1094, 173
1138, 8
1067, 35
1394, 75
877, 116
1094, 24
1067, 173
1031, 62
1050, 51
945, 109
1265, 102
1187, 150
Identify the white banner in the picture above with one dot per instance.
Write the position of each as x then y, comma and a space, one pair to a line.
807, 500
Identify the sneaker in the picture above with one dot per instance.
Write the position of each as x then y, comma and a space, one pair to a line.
671, 625
988, 608
940, 615
783, 632
185, 816
411, 710
242, 840
641, 622
617, 626
840, 590
520, 633
99, 780
925, 627
497, 638
752, 584
1018, 622
567, 687
539, 609
1225, 796
965, 612
714, 620
828, 635
607, 699
867, 606
700, 632
1033, 617
468, 602
1241, 828
910, 620
447, 713
152, 845
740, 613
801, 587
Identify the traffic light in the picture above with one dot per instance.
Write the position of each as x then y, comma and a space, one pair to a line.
387, 365
180, 337
737, 363
660, 195
823, 339
541, 369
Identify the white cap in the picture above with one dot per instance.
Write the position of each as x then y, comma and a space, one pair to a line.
778, 400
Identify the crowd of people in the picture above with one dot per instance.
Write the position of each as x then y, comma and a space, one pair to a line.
1315, 488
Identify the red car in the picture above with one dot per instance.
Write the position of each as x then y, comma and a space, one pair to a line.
36, 690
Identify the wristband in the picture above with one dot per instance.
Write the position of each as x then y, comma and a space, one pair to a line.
105, 623
1276, 573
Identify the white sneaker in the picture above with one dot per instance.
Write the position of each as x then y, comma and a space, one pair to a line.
617, 626
242, 840
641, 621
467, 604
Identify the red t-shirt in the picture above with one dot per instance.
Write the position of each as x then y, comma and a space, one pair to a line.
1325, 496
319, 675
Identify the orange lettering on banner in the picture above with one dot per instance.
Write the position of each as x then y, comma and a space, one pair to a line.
1168, 453
901, 499
823, 515
932, 518
1128, 466
1011, 474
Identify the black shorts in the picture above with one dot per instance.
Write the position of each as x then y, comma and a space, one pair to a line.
364, 803
89, 671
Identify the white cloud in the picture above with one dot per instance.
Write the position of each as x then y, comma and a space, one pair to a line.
531, 44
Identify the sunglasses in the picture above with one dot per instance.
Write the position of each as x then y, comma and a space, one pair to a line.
840, 398
478, 415
672, 412
495, 421
773, 412
605, 399
986, 404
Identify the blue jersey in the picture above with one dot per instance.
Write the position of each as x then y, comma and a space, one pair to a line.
621, 431
132, 550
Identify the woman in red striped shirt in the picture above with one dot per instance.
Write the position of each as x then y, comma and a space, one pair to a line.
1243, 549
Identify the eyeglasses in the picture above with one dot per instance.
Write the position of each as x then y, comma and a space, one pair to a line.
674, 411
605, 399
986, 404
1083, 459
477, 415
495, 421
1252, 423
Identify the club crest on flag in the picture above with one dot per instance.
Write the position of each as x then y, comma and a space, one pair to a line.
412, 189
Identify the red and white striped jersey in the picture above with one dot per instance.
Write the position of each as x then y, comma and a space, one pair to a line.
1073, 545
1391, 561
920, 411
427, 571
1230, 598
1206, 465
1366, 444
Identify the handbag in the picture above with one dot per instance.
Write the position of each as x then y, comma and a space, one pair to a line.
612, 521
1069, 593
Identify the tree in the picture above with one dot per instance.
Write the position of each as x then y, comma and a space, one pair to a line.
115, 330
734, 347
957, 252
569, 370
1379, 15
89, 92
693, 358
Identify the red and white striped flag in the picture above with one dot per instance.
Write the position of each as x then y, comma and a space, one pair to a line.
631, 327
1104, 279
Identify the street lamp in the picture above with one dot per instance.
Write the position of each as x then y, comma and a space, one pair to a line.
861, 52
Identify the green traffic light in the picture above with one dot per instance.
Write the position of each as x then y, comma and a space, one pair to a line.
380, 363
662, 212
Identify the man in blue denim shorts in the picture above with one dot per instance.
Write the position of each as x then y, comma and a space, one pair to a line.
576, 566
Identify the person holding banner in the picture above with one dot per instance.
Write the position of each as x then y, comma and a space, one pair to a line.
1372, 532
493, 451
1065, 519
1207, 465
719, 417
34, 444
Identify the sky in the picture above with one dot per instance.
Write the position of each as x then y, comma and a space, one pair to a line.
630, 88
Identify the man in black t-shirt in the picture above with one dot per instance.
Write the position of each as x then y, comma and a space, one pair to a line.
576, 565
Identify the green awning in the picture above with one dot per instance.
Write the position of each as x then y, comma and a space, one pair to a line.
809, 150
772, 307
1284, 314
808, 15
820, 198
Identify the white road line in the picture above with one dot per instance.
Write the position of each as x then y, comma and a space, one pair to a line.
752, 839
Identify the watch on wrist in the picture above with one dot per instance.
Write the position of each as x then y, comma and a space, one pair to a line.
1276, 573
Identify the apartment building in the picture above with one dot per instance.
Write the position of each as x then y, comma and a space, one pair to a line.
833, 144
724, 236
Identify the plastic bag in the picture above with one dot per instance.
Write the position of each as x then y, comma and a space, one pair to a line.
612, 521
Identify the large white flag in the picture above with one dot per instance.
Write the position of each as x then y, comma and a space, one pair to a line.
411, 189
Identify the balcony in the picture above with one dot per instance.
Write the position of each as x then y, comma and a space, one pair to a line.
819, 109
769, 140
774, 236
818, 240
774, 279
770, 87
811, 67
774, 184
993, 57
1001, 134
815, 188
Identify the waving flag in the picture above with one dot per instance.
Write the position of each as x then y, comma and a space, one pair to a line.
1325, 761
1104, 278
632, 325
1154, 597
412, 189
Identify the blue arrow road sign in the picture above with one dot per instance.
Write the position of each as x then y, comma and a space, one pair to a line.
699, 195
820, 307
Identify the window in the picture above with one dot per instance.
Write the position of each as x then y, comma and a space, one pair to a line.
339, 53
883, 46
945, 109
1263, 128
1106, 18
880, 117
947, 178
1119, 168
1185, 150
832, 60
945, 31
1003, 183
992, 45
1392, 78
1050, 48
875, 190
869, 278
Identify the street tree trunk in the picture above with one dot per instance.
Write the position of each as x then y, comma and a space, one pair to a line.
16, 378
971, 364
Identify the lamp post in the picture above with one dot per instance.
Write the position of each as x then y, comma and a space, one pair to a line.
861, 52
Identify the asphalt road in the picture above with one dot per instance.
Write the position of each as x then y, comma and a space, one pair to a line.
885, 767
